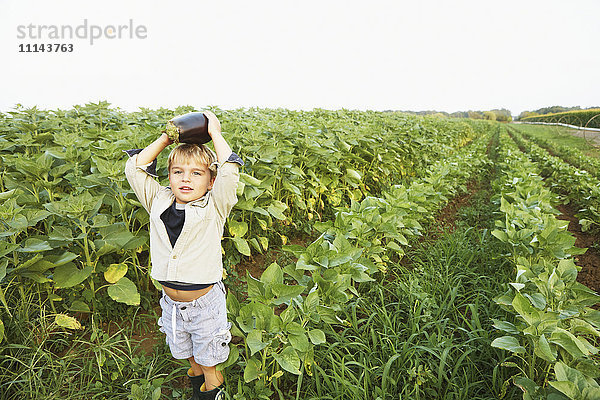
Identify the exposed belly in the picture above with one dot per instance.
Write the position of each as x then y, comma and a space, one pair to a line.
186, 295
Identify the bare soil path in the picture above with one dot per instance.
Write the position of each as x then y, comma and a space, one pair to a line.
590, 260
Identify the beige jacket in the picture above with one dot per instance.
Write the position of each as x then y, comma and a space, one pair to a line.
196, 257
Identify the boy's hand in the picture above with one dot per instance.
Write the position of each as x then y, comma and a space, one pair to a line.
214, 126
166, 139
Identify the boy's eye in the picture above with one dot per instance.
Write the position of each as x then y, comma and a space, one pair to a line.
197, 173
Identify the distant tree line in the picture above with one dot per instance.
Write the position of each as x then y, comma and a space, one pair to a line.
502, 115
551, 110
589, 118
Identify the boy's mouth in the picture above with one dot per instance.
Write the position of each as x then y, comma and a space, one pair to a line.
186, 189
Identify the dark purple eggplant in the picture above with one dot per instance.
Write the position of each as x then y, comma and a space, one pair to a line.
189, 128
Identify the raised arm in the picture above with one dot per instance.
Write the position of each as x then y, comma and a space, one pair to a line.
224, 188
214, 130
140, 171
153, 150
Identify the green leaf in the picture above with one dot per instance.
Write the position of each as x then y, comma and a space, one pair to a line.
3, 301
543, 350
525, 384
264, 242
317, 336
537, 300
569, 389
276, 209
328, 315
569, 342
118, 239
353, 175
124, 291
115, 272
6, 248
505, 326
28, 263
501, 235
233, 305
68, 275
237, 228
242, 246
3, 265
256, 289
35, 216
288, 360
311, 302
273, 274
505, 299
252, 370
525, 310
254, 243
54, 297
101, 221
304, 263
35, 276
568, 270
7, 195
67, 322
589, 368
1, 331
254, 341
250, 180
79, 306
19, 223
285, 293
61, 259
299, 342
394, 246
297, 337
33, 245
579, 326
508, 343
234, 354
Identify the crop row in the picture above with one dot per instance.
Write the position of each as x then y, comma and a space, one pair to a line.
72, 225
576, 186
570, 154
554, 331
586, 118
282, 318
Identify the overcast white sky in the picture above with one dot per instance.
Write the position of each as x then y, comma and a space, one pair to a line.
404, 55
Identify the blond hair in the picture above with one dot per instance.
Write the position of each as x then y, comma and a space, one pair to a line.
188, 152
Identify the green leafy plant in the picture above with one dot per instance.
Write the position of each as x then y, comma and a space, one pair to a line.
552, 338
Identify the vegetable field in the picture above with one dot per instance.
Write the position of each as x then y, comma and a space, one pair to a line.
371, 255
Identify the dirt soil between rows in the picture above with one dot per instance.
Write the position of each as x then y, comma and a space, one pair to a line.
590, 260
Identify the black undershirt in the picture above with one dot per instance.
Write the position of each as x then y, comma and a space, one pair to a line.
174, 218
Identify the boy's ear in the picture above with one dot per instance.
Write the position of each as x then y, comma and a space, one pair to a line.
211, 183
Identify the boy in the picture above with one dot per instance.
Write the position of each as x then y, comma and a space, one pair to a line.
186, 226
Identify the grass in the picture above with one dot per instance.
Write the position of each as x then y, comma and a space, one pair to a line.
424, 331
41, 361
561, 136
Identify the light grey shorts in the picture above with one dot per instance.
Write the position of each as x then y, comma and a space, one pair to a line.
197, 328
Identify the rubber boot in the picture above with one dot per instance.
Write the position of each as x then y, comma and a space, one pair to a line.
215, 394
196, 382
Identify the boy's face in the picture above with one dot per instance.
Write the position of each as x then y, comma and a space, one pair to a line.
189, 181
